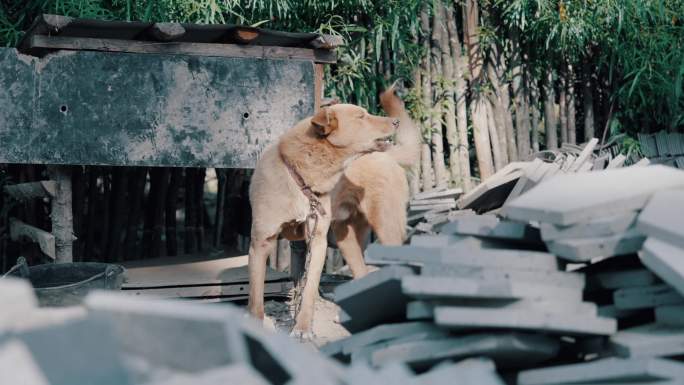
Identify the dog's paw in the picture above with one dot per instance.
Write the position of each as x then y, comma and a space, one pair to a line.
302, 335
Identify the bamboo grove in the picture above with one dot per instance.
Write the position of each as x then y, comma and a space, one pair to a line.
490, 81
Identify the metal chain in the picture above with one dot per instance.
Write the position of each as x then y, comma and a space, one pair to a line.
310, 233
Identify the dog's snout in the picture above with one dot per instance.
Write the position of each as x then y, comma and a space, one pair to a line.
395, 122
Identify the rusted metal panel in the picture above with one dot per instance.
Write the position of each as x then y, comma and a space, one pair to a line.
126, 109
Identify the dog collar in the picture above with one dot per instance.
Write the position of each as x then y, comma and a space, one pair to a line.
306, 189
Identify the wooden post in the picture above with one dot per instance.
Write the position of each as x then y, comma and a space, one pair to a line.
62, 215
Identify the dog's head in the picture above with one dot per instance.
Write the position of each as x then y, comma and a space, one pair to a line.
353, 128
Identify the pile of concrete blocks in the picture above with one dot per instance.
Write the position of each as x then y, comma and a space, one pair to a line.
122, 340
663, 148
578, 280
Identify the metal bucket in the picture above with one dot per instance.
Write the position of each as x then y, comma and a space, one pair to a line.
66, 284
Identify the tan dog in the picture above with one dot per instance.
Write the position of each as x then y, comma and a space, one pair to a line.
296, 173
373, 193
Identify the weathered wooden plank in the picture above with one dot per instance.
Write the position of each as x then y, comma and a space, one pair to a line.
147, 110
31, 190
181, 48
45, 240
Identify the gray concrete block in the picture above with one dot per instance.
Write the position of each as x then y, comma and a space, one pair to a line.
204, 337
621, 279
652, 340
611, 311
416, 310
364, 354
17, 365
672, 315
608, 370
465, 318
489, 226
281, 360
586, 249
575, 198
473, 371
436, 240
374, 335
663, 217
646, 297
420, 310
494, 191
666, 260
545, 277
233, 374
78, 352
508, 350
373, 299
422, 287
599, 227
16, 295
461, 255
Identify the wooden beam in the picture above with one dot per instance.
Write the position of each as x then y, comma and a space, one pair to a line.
328, 42
201, 49
167, 31
245, 35
31, 190
20, 230
225, 290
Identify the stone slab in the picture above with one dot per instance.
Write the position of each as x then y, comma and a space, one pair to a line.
663, 217
666, 260
364, 354
546, 277
17, 295
422, 287
575, 198
611, 311
652, 340
609, 370
507, 349
646, 297
494, 191
17, 365
461, 255
480, 371
417, 310
233, 374
204, 337
672, 315
621, 279
586, 249
465, 318
599, 227
374, 299
489, 226
374, 335
78, 352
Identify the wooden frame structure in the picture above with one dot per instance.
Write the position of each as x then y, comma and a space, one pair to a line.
87, 92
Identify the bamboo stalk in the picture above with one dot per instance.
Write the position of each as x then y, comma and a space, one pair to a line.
119, 212
441, 174
426, 161
462, 157
550, 118
572, 113
563, 104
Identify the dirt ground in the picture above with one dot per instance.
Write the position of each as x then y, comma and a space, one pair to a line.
280, 316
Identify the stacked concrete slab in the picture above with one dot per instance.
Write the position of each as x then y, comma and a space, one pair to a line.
579, 279
122, 340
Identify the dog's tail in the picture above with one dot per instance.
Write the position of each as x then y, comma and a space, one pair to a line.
406, 149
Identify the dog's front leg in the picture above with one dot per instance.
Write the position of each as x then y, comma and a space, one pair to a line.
259, 249
304, 319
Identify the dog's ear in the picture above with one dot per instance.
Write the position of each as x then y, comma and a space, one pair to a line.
324, 122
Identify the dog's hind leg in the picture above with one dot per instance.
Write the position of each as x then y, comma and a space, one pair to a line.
259, 250
351, 236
